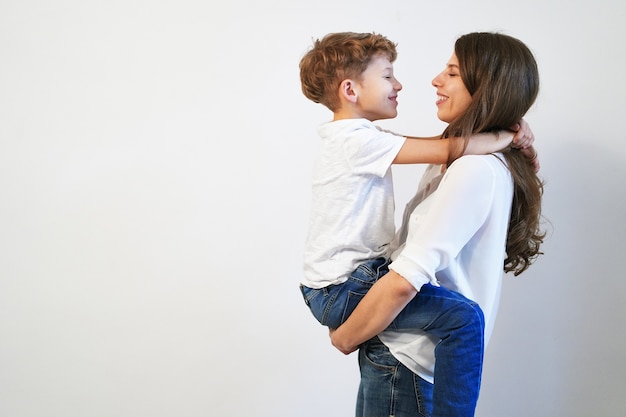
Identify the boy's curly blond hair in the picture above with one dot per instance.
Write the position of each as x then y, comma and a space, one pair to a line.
336, 57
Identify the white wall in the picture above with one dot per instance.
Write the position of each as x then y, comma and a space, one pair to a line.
154, 192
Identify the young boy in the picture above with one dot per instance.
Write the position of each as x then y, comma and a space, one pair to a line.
352, 218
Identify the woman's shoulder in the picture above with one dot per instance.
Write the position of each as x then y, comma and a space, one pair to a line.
479, 168
480, 162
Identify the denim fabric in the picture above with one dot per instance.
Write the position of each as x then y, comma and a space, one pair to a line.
387, 387
457, 321
332, 305
459, 324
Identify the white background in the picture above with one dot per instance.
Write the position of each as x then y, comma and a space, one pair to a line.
155, 159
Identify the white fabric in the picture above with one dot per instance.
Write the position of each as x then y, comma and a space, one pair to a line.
352, 209
456, 236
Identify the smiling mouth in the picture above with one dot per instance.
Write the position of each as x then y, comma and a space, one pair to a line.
441, 99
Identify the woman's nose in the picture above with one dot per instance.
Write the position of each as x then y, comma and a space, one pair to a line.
438, 80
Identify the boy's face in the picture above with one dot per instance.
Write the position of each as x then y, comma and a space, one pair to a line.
377, 91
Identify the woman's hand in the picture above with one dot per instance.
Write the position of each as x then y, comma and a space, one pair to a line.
374, 313
336, 342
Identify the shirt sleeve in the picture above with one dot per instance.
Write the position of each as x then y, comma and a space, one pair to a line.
371, 151
457, 211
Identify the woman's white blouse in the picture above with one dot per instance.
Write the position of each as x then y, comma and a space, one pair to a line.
455, 229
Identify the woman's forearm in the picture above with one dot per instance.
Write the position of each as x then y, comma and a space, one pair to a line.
375, 312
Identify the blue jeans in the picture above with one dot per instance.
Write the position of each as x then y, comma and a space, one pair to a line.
457, 321
389, 388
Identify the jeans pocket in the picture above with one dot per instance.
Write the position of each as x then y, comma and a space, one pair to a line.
353, 299
377, 355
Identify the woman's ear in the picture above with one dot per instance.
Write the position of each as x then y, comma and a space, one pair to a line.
348, 91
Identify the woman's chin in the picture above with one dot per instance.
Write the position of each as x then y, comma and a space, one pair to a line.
443, 118
442, 115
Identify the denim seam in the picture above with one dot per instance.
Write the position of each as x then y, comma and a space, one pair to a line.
328, 307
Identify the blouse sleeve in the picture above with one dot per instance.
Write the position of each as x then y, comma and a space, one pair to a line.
457, 211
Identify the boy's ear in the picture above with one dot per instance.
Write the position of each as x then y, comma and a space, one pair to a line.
348, 91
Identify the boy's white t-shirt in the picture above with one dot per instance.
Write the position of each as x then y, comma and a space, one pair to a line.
352, 208
455, 229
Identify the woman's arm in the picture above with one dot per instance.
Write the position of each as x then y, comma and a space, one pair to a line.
374, 313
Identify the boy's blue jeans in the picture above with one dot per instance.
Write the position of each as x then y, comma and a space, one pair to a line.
457, 321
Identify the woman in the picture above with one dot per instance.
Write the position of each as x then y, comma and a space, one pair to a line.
482, 204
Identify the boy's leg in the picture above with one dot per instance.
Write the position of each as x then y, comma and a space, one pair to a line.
387, 387
459, 324
332, 305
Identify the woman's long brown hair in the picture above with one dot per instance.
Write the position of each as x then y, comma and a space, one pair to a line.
501, 75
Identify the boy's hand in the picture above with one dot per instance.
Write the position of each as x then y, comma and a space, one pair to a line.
523, 140
524, 137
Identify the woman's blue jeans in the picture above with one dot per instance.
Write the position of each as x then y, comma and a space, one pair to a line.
388, 388
457, 321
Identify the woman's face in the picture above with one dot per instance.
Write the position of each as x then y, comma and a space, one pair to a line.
452, 96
